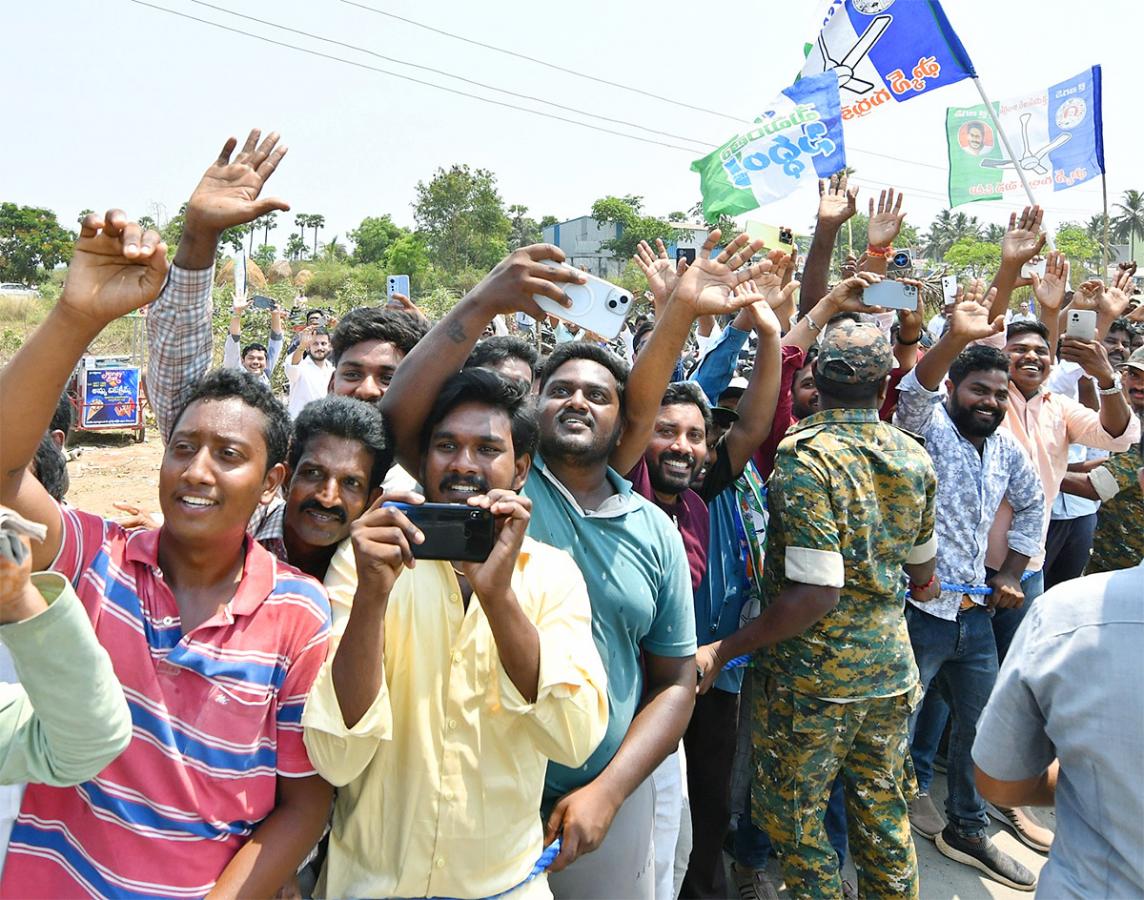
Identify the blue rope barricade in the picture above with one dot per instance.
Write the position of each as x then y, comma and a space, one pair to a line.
539, 868
979, 590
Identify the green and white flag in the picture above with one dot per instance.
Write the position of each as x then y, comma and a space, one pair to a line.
1057, 135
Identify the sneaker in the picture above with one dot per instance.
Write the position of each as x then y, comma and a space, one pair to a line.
753, 884
924, 817
982, 854
1029, 831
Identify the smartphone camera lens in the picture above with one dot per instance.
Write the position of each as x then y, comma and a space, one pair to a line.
474, 515
612, 304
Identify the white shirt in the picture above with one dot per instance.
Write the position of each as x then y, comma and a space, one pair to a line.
308, 381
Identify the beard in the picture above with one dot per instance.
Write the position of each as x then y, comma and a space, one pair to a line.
667, 479
579, 449
969, 424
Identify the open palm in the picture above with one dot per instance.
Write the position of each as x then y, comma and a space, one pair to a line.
228, 193
1024, 239
970, 320
708, 285
1050, 290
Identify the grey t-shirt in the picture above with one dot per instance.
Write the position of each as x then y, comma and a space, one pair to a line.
1070, 689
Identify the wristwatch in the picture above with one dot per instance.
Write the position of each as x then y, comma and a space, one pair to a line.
1108, 391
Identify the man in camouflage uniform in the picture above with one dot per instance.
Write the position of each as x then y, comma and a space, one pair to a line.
852, 505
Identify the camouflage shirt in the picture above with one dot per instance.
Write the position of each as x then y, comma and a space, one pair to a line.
1119, 539
851, 499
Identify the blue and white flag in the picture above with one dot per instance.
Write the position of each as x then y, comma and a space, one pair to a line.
1056, 135
796, 140
886, 50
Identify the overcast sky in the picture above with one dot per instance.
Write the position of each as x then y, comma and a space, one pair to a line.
114, 103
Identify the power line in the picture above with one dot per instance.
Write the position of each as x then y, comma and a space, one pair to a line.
542, 62
446, 74
439, 87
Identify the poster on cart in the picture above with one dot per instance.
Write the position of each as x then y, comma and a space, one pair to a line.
110, 397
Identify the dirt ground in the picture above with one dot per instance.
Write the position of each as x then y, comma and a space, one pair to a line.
111, 468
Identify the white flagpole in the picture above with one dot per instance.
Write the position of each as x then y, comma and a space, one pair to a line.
1012, 156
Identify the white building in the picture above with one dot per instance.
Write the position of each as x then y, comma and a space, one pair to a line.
582, 238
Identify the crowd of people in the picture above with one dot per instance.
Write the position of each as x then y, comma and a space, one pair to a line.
753, 578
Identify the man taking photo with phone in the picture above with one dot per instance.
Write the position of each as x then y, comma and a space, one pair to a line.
453, 683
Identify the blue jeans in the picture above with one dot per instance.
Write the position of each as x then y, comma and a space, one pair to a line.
753, 847
958, 660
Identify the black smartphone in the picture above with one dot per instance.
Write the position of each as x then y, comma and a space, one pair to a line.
452, 531
260, 302
687, 253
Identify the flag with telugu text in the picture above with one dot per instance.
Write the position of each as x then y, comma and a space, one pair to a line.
886, 50
796, 140
1056, 135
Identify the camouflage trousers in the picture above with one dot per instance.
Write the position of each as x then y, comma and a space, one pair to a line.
801, 744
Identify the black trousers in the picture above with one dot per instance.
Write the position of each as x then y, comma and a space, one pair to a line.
709, 743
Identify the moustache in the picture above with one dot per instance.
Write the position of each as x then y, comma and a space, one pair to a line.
337, 511
453, 481
685, 458
574, 417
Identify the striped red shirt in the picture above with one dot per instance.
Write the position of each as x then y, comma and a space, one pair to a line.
216, 715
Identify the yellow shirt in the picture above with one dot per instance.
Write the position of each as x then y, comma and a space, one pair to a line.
439, 784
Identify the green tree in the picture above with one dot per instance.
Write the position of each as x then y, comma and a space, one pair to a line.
461, 216
317, 222
264, 256
295, 246
302, 220
83, 214
632, 226
32, 243
976, 256
146, 222
265, 224
524, 231
372, 238
948, 228
1079, 248
333, 251
1129, 225
408, 255
548, 220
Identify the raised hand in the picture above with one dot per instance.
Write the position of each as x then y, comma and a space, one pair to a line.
1050, 290
492, 578
1089, 295
661, 272
228, 193
836, 202
761, 304
509, 288
707, 288
970, 320
1024, 239
846, 296
117, 267
912, 321
1092, 356
1116, 299
239, 305
885, 223
849, 267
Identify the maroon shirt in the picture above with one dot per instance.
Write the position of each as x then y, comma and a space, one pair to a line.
689, 513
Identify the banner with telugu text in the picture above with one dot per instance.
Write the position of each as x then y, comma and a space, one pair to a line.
1057, 135
800, 129
886, 50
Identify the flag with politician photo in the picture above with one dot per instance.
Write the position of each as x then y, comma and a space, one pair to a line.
1056, 136
886, 50
796, 140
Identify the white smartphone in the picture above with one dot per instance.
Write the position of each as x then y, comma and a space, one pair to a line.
396, 284
891, 295
239, 274
597, 305
1082, 324
949, 288
1033, 265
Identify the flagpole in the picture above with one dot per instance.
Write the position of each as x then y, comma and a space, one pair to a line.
1009, 149
1104, 253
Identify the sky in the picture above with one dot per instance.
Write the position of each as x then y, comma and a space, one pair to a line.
118, 104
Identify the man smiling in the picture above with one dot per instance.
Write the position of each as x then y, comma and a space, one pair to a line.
215, 790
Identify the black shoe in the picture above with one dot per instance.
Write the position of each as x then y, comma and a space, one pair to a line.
982, 854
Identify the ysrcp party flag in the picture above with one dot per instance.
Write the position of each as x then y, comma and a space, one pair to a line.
801, 127
886, 50
1056, 134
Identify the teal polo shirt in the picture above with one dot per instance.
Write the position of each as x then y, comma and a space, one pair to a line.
639, 585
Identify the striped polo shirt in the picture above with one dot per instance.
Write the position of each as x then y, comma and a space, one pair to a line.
216, 717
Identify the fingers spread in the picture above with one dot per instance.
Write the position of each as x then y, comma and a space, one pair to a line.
227, 150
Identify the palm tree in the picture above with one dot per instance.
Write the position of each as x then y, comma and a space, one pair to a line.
317, 222
268, 224
333, 251
295, 246
994, 233
1130, 223
302, 220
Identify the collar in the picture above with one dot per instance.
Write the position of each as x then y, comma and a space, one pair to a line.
836, 417
618, 504
259, 568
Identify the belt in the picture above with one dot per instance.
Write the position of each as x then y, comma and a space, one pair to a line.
966, 603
